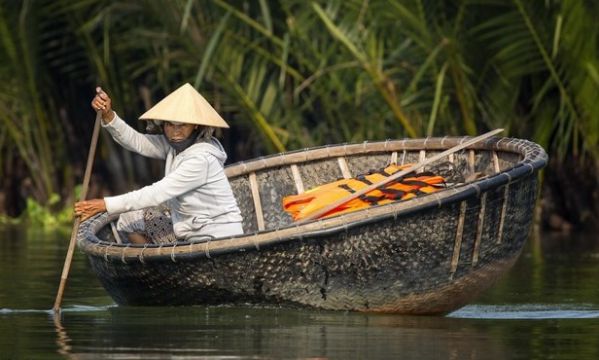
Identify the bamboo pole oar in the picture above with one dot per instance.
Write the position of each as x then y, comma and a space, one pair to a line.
88, 171
397, 175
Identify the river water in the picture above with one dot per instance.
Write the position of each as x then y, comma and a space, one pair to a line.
546, 307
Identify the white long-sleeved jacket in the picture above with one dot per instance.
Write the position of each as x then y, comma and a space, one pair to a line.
194, 187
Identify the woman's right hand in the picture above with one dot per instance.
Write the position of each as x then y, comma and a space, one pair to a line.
88, 208
102, 102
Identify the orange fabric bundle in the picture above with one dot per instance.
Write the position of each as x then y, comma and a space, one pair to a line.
302, 205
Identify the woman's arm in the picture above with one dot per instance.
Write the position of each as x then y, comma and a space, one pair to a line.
154, 146
190, 175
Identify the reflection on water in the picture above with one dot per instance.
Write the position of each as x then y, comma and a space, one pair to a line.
547, 307
268, 333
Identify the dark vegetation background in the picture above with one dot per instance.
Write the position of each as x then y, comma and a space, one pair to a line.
289, 74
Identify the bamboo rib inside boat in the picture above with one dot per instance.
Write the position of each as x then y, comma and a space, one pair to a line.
496, 162
297, 179
458, 239
257, 202
479, 228
471, 161
506, 193
421, 158
343, 167
393, 159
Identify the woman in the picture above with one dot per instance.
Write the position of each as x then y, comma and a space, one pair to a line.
194, 191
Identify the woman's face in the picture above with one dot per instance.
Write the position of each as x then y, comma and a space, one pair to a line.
176, 132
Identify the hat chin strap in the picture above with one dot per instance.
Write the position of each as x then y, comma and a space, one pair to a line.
179, 146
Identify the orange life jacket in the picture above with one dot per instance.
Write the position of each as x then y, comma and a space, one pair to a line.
302, 205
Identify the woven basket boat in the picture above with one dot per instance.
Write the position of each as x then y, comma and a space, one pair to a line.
429, 255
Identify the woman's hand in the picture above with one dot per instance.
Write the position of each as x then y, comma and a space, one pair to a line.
88, 208
102, 102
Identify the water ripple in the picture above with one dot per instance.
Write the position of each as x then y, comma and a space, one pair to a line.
527, 311
75, 308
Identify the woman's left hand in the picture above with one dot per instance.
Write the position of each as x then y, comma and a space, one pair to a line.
88, 208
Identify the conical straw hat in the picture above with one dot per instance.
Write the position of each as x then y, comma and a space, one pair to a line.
185, 105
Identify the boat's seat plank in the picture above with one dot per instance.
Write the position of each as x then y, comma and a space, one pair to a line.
257, 202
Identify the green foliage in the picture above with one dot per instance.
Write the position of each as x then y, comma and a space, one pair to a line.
28, 112
43, 215
53, 214
292, 73
7, 220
